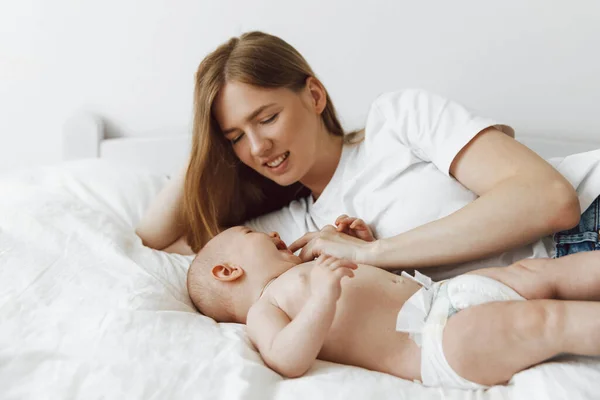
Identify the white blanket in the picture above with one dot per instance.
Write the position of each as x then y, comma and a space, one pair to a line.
88, 312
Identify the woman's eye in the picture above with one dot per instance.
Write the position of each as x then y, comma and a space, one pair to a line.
237, 138
269, 120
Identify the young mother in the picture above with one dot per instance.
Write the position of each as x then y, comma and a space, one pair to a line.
437, 184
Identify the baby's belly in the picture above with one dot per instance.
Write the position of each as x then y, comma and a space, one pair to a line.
373, 289
364, 333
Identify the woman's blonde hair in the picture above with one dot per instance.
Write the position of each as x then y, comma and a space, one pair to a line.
220, 191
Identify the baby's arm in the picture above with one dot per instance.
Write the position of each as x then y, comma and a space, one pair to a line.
291, 346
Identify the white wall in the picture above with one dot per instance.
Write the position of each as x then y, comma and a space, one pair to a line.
534, 64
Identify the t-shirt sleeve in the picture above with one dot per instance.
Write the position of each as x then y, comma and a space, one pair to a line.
434, 128
291, 221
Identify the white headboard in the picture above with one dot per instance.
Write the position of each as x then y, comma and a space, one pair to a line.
84, 136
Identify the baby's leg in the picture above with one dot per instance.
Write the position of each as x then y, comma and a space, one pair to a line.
489, 343
572, 277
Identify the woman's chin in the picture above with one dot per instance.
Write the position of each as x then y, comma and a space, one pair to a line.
284, 180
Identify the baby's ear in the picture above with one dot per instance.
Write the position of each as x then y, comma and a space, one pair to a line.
227, 272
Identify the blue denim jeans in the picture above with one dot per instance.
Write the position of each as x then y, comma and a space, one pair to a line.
584, 237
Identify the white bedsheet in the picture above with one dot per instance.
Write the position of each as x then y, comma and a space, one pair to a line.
87, 312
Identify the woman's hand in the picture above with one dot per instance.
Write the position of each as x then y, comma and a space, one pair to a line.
331, 242
355, 227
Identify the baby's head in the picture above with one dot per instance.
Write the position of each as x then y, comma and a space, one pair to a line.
230, 271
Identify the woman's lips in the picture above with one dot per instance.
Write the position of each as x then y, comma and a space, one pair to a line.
275, 162
282, 166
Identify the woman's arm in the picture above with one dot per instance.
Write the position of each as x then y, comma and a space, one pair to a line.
161, 226
522, 198
180, 246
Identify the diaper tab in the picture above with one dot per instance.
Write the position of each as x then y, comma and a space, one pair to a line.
421, 279
413, 314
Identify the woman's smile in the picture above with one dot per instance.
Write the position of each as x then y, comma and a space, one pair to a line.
279, 165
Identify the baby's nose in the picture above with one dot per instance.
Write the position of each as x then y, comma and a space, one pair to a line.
274, 235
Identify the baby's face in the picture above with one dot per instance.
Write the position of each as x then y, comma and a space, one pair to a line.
254, 250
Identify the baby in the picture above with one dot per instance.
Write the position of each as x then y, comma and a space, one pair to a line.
471, 331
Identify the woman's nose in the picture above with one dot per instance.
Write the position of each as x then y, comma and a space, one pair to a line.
259, 145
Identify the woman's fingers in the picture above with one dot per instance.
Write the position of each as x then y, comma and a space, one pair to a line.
331, 241
342, 227
354, 227
303, 241
308, 252
343, 223
341, 218
307, 237
328, 228
344, 219
358, 224
361, 230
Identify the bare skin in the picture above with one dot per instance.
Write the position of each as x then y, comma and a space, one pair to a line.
518, 335
375, 345
297, 312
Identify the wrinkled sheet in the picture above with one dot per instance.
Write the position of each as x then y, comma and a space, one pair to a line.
88, 312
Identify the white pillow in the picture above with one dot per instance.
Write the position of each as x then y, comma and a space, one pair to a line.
123, 191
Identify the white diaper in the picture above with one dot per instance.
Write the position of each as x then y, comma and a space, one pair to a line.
425, 313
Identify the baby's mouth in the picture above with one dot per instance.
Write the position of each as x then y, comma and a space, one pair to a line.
282, 246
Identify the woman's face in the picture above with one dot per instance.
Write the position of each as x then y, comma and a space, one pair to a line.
273, 131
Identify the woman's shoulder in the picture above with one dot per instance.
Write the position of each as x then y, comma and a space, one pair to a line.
404, 92
405, 100
393, 114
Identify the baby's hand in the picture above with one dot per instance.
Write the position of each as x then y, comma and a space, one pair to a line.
355, 227
326, 276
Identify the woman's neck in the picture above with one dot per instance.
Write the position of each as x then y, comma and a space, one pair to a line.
328, 157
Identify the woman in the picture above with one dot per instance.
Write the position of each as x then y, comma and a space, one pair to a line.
437, 185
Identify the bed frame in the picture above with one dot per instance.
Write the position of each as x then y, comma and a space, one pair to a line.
84, 136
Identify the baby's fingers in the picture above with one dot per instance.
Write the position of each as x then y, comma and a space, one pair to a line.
325, 260
342, 272
342, 263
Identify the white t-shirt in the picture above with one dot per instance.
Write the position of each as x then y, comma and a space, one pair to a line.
398, 177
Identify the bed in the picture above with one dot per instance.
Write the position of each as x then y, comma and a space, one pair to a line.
88, 312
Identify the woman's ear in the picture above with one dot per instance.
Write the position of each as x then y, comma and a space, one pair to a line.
317, 93
227, 272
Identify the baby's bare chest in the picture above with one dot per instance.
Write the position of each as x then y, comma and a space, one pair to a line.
369, 293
